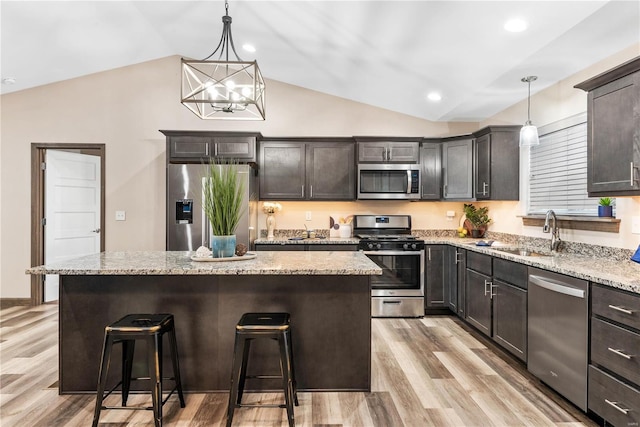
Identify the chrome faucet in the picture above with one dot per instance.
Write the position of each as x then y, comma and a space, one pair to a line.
555, 231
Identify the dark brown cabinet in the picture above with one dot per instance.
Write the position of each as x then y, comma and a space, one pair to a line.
305, 247
195, 146
478, 300
457, 168
457, 280
431, 161
497, 163
614, 366
437, 260
613, 132
397, 150
307, 170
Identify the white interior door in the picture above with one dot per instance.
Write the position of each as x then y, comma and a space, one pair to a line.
72, 210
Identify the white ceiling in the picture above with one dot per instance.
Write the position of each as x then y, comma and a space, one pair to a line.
389, 54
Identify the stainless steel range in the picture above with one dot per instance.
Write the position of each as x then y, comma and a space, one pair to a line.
387, 241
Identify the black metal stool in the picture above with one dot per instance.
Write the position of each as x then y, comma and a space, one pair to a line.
151, 328
263, 325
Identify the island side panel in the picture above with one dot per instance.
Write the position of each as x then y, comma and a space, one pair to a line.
330, 318
89, 303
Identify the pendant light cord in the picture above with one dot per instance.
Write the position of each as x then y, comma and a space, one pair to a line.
529, 104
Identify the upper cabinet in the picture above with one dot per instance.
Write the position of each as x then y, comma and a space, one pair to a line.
397, 150
195, 146
431, 162
497, 163
613, 133
307, 170
457, 169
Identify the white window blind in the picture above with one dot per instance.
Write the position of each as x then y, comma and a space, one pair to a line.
558, 172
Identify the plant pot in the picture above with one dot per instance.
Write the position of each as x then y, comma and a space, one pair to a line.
223, 246
477, 233
606, 211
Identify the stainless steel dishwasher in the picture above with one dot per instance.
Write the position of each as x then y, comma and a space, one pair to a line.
558, 331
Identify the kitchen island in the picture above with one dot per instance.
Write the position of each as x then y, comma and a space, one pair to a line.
327, 293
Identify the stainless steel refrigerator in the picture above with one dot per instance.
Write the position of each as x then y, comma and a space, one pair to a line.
187, 227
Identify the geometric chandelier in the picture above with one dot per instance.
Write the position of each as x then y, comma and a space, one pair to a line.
223, 89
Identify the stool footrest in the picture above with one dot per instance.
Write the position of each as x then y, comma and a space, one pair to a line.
258, 405
265, 377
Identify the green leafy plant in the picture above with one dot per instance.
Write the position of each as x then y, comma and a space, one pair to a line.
605, 201
478, 217
223, 194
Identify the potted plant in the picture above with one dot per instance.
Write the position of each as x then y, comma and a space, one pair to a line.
223, 205
604, 207
478, 218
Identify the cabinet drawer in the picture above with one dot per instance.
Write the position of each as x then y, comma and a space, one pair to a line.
616, 349
622, 307
614, 401
510, 272
279, 247
479, 262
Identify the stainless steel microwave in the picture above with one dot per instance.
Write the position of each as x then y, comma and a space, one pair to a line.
389, 181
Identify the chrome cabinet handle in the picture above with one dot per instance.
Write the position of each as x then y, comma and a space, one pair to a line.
491, 294
632, 172
215, 150
620, 309
615, 405
485, 186
302, 186
311, 191
457, 259
429, 252
487, 283
619, 353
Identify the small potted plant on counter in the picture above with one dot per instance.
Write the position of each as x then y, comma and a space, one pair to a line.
604, 207
223, 206
478, 218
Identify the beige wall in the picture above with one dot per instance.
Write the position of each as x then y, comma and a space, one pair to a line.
124, 109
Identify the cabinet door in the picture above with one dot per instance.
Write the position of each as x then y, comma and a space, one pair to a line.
483, 167
431, 160
330, 247
403, 152
331, 172
510, 318
372, 151
457, 169
435, 276
613, 136
478, 300
452, 278
279, 247
235, 147
461, 263
189, 147
282, 171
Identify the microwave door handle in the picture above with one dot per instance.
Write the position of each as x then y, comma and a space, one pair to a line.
408, 181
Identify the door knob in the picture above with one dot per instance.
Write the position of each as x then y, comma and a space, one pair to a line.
97, 230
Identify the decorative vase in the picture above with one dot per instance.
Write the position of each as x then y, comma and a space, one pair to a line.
605, 210
223, 246
271, 225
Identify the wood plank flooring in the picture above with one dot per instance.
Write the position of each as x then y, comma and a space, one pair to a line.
435, 371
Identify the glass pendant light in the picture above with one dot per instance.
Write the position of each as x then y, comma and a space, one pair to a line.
223, 89
529, 133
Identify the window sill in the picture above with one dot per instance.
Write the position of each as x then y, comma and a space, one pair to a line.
591, 223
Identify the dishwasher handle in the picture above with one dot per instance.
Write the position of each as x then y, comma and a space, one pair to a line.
554, 286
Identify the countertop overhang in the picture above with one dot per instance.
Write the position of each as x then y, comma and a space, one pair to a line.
180, 263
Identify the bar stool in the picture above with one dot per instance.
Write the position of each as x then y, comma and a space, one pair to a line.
252, 326
132, 327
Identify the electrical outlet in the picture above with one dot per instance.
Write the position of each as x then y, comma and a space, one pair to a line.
121, 215
307, 216
635, 224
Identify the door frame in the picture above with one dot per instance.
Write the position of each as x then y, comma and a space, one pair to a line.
38, 156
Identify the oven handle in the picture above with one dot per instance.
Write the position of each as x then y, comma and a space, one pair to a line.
393, 252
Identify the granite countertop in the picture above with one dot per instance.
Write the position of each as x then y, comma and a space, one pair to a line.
305, 241
623, 274
179, 263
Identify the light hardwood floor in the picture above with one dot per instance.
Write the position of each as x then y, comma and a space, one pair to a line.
432, 371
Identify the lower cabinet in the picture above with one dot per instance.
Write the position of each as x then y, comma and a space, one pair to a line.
436, 276
496, 301
305, 247
614, 369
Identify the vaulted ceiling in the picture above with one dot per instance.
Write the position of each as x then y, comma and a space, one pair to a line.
389, 54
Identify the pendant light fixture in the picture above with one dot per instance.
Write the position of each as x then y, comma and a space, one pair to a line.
529, 133
221, 88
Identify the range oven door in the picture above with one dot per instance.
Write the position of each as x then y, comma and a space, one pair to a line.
402, 273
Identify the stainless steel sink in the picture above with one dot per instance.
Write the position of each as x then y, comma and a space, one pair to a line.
521, 252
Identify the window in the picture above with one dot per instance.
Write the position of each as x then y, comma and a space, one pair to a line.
558, 170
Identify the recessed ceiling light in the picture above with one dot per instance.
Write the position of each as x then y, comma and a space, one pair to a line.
8, 81
249, 47
433, 96
515, 25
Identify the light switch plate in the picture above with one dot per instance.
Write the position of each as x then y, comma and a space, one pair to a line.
635, 224
307, 216
121, 215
